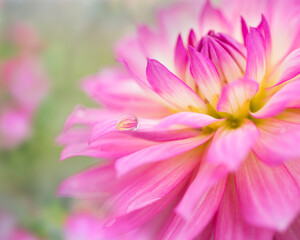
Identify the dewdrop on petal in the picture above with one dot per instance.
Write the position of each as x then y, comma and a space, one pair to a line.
128, 122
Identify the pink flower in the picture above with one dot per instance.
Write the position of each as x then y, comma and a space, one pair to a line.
200, 130
23, 86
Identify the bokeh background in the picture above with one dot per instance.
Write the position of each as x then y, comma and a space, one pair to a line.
78, 38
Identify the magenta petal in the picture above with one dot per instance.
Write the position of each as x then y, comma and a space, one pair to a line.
88, 116
277, 141
172, 89
290, 67
153, 131
287, 96
265, 30
128, 97
181, 57
292, 233
293, 167
224, 145
190, 119
245, 30
206, 76
97, 182
269, 196
153, 183
230, 224
256, 55
175, 224
207, 176
213, 18
82, 226
106, 147
202, 216
158, 153
236, 94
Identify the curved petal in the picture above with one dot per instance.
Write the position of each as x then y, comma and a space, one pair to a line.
206, 76
230, 224
154, 130
172, 89
290, 67
294, 168
88, 116
236, 96
287, 97
207, 176
203, 215
158, 153
230, 147
277, 142
292, 233
152, 183
97, 182
212, 18
256, 55
83, 226
112, 146
269, 196
190, 119
117, 90
181, 57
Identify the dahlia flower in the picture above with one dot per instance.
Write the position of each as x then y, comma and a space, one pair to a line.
22, 85
199, 129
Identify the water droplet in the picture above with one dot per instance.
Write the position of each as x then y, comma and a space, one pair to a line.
128, 122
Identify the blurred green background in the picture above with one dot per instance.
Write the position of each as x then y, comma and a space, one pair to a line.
78, 38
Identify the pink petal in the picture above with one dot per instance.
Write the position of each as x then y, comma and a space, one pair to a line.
293, 167
212, 18
158, 153
83, 226
206, 76
265, 30
152, 130
287, 96
245, 30
112, 146
88, 116
129, 52
203, 215
190, 119
230, 224
176, 224
181, 57
224, 145
225, 63
73, 135
277, 141
269, 196
256, 55
124, 222
207, 176
97, 182
153, 183
172, 89
128, 97
292, 233
236, 95
290, 67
